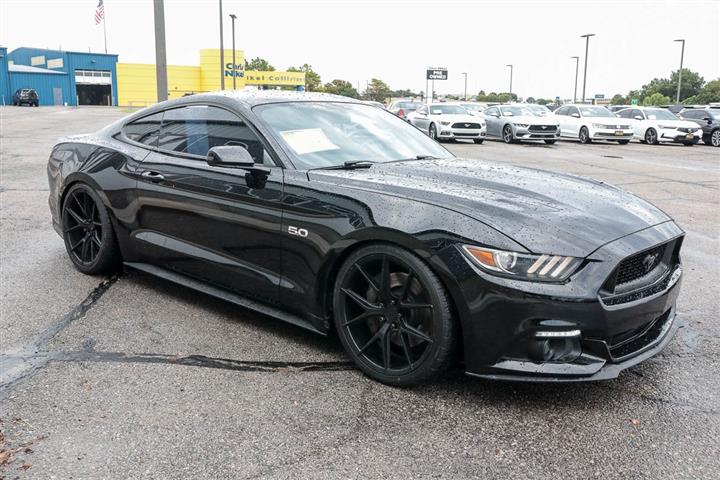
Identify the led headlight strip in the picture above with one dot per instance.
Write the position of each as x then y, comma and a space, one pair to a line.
529, 266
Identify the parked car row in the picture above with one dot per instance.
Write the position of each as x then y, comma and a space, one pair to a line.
586, 123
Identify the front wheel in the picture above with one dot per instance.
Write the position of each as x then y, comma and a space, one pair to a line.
584, 136
88, 233
479, 141
508, 136
550, 142
433, 131
651, 137
393, 316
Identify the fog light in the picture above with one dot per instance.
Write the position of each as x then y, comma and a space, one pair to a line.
558, 334
558, 349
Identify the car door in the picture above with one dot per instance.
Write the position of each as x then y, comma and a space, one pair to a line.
572, 122
493, 121
420, 119
628, 118
217, 224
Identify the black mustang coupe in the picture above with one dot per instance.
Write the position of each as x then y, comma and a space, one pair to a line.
338, 216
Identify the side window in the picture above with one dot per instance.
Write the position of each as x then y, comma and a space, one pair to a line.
693, 114
145, 130
422, 110
561, 111
637, 113
572, 110
196, 129
491, 111
625, 114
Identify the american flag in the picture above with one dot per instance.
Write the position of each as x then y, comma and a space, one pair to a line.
99, 13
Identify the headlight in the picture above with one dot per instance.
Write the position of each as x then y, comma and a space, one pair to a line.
548, 268
666, 126
445, 123
599, 125
521, 125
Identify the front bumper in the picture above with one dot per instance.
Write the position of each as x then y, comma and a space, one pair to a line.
447, 132
536, 132
504, 317
611, 133
675, 135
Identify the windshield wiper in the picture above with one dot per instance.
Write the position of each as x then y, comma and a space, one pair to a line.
425, 157
349, 165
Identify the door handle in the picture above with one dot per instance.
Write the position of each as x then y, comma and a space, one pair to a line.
154, 177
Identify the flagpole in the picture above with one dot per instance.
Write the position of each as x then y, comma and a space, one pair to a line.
105, 31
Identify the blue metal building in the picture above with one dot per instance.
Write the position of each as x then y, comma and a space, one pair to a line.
60, 77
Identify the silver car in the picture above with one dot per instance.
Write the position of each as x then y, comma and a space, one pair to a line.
514, 123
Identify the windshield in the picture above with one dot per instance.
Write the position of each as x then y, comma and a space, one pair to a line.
408, 105
516, 111
595, 112
473, 107
324, 134
659, 114
538, 109
447, 110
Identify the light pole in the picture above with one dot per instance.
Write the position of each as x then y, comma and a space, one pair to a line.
232, 15
682, 54
587, 47
465, 95
160, 54
577, 64
222, 52
511, 72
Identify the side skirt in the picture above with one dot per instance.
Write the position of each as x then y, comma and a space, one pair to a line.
223, 295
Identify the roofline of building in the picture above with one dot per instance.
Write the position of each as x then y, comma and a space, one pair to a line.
66, 51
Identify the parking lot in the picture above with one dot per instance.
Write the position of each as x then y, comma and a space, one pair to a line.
134, 377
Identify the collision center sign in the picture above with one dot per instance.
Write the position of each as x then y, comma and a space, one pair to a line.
437, 73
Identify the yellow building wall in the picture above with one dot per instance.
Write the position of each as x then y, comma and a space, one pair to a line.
210, 69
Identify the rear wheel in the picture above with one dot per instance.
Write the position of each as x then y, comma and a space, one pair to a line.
88, 233
393, 316
508, 136
651, 137
584, 136
550, 142
478, 140
714, 139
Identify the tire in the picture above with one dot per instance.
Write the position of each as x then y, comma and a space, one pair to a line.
508, 136
651, 137
389, 340
432, 132
623, 142
479, 141
584, 136
550, 142
88, 233
714, 138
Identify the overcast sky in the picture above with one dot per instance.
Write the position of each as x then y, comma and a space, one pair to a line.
396, 40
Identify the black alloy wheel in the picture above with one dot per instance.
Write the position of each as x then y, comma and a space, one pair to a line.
651, 137
433, 131
393, 316
584, 136
87, 231
508, 136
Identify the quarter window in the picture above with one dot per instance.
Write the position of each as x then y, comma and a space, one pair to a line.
145, 130
196, 129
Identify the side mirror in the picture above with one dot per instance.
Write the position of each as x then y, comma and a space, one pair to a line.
230, 157
707, 119
576, 115
638, 117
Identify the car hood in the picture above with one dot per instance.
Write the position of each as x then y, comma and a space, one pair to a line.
532, 120
676, 123
452, 117
545, 212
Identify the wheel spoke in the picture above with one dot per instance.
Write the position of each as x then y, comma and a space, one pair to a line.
406, 287
75, 227
360, 300
367, 277
416, 333
79, 204
406, 348
416, 306
362, 316
84, 250
386, 349
76, 216
375, 337
95, 239
385, 278
77, 244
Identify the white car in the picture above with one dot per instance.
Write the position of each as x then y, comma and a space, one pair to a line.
592, 122
444, 121
655, 125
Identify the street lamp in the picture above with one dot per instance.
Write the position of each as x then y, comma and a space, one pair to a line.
222, 52
511, 72
232, 15
682, 54
577, 64
465, 96
587, 46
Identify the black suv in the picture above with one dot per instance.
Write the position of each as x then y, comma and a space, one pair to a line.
26, 95
709, 119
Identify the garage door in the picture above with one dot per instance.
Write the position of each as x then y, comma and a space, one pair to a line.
94, 87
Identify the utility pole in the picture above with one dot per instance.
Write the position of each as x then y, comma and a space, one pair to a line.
577, 65
511, 73
222, 52
232, 15
682, 54
465, 95
587, 47
160, 53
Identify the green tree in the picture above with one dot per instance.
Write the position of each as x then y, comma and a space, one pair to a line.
543, 101
377, 90
617, 99
656, 99
312, 79
692, 83
709, 93
531, 100
341, 87
259, 64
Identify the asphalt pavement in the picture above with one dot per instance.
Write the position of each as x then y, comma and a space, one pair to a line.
133, 377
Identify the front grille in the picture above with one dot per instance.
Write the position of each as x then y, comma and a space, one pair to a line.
466, 125
542, 128
459, 134
686, 130
633, 341
639, 265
